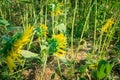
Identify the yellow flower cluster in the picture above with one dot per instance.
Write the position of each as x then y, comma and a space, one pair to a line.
57, 9
56, 12
44, 29
107, 25
15, 52
61, 41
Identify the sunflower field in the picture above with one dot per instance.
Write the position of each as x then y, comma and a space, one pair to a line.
59, 39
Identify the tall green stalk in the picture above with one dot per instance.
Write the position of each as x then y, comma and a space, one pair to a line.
53, 19
73, 23
46, 12
95, 26
84, 27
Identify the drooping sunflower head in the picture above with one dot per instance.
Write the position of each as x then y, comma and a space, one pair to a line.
15, 52
107, 25
42, 30
57, 45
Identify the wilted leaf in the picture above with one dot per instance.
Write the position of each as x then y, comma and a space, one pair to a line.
61, 27
63, 59
29, 54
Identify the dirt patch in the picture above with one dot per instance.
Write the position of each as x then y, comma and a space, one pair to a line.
35, 74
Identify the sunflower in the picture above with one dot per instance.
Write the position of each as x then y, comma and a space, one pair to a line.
44, 29
107, 25
58, 45
15, 53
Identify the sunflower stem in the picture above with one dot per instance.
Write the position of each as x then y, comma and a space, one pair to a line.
44, 66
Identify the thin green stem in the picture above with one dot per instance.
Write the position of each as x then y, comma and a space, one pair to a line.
73, 22
94, 45
65, 15
46, 13
41, 12
31, 41
58, 61
100, 41
53, 6
44, 66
